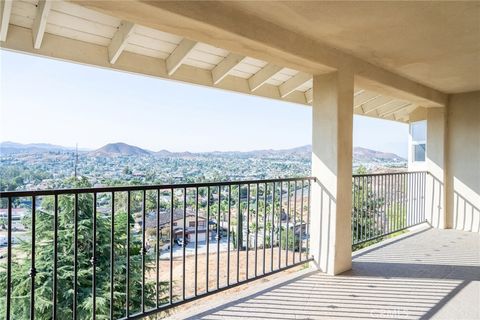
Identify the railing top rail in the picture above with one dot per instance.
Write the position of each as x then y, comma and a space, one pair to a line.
386, 174
32, 193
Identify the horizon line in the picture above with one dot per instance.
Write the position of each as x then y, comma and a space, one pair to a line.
90, 149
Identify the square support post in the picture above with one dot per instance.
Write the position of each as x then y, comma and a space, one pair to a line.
435, 193
331, 235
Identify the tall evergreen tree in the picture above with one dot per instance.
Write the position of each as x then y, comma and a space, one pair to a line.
44, 246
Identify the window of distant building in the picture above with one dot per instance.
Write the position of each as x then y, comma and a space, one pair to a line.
201, 224
418, 132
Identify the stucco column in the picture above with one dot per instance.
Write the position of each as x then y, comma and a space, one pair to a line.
463, 161
435, 202
332, 106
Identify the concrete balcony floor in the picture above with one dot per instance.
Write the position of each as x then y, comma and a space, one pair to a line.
425, 274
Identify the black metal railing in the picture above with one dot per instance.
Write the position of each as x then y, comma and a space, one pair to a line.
129, 252
384, 204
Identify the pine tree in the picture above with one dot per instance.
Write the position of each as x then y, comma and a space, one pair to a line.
44, 257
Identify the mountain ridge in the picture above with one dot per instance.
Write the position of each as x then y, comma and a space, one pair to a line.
123, 149
14, 147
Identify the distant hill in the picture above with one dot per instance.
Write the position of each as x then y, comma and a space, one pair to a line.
9, 147
170, 154
119, 149
297, 151
359, 153
364, 154
164, 153
122, 149
263, 153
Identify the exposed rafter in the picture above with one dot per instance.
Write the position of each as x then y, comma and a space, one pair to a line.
225, 66
403, 117
263, 76
6, 10
184, 63
40, 22
294, 83
397, 109
201, 22
404, 113
20, 39
364, 97
359, 92
178, 56
309, 95
120, 40
393, 106
373, 105
373, 101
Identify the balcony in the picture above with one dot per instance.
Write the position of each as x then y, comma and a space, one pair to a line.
122, 253
185, 242
425, 274
130, 252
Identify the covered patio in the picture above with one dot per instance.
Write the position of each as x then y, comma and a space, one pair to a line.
399, 61
425, 274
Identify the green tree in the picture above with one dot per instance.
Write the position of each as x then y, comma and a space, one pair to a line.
293, 242
366, 205
127, 170
44, 245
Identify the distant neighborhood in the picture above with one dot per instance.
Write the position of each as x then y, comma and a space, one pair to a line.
45, 166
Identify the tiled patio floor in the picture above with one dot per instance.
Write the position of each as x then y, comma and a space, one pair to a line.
425, 274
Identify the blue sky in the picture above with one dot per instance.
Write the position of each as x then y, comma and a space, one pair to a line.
44, 100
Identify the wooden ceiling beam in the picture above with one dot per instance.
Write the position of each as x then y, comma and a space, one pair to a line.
294, 83
397, 109
309, 95
262, 76
40, 23
120, 40
237, 31
364, 97
178, 56
6, 12
375, 104
225, 66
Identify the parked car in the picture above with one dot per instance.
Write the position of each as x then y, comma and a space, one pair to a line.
3, 241
179, 241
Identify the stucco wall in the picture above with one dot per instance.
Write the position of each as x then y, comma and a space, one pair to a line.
463, 161
435, 212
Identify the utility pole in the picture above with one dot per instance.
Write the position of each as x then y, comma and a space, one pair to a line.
76, 159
